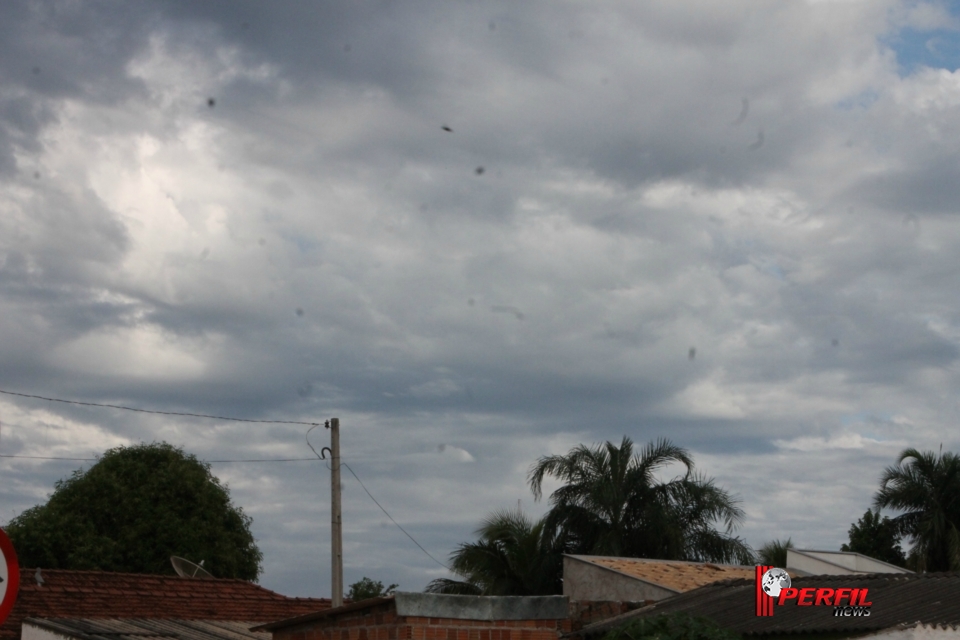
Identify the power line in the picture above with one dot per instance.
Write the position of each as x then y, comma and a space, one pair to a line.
344, 464
163, 413
209, 461
214, 417
405, 532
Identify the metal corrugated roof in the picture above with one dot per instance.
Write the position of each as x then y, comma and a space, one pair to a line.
142, 629
930, 599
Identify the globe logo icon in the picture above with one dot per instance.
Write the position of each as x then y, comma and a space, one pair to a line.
774, 580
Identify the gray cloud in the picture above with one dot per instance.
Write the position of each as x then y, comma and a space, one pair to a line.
314, 243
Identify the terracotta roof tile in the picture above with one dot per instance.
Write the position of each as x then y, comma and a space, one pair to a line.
673, 574
101, 594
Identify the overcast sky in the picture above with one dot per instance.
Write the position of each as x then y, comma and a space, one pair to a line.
480, 233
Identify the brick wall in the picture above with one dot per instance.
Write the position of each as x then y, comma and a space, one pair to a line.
381, 622
584, 612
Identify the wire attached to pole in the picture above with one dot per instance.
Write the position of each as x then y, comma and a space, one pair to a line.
362, 486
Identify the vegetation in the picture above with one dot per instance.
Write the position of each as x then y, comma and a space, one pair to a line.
366, 588
877, 538
925, 486
514, 557
774, 553
131, 511
671, 627
612, 504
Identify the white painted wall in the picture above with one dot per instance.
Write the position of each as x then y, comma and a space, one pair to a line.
836, 563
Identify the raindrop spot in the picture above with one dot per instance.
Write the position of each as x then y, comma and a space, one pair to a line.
262, 242
759, 143
692, 353
346, 47
835, 342
480, 171
500, 308
36, 71
744, 110
299, 312
912, 222
471, 302
492, 26
211, 102
447, 129
36, 175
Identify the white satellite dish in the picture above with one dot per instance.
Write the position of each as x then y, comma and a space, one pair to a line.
187, 569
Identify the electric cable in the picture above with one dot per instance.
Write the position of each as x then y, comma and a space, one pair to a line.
208, 461
163, 413
363, 486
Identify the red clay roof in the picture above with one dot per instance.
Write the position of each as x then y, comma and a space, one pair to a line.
101, 594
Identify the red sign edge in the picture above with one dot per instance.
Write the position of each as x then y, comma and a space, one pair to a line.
13, 576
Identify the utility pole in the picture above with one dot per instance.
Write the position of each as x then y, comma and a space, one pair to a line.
336, 521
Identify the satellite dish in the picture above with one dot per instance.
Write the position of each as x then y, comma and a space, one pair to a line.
187, 569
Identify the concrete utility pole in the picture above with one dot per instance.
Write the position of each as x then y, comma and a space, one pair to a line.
336, 521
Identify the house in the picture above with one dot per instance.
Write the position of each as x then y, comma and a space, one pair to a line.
589, 578
903, 607
57, 593
807, 562
430, 616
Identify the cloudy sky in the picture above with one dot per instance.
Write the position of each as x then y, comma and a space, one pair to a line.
479, 233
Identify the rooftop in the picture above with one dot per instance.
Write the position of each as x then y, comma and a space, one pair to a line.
102, 594
898, 599
674, 574
457, 607
141, 629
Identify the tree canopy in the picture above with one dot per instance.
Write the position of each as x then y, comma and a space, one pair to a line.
367, 588
513, 557
612, 504
925, 486
677, 626
131, 511
774, 553
876, 537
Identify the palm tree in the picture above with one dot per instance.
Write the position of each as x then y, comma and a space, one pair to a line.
612, 504
774, 553
926, 487
513, 557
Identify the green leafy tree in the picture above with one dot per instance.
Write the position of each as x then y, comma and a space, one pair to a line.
366, 588
677, 626
774, 553
925, 486
876, 537
612, 504
131, 511
513, 557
